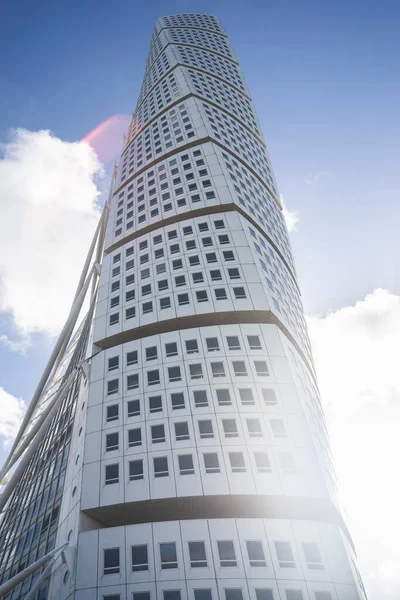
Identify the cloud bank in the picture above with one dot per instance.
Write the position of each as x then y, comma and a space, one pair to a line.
48, 214
356, 351
12, 412
291, 217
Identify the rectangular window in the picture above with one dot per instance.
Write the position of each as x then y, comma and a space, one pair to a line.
151, 353
284, 554
157, 434
237, 462
191, 346
141, 596
312, 555
181, 431
168, 556
112, 413
197, 554
140, 559
160, 466
177, 401
226, 552
278, 428
211, 462
114, 319
112, 441
269, 396
112, 387
206, 429
112, 474
135, 470
133, 408
132, 381
153, 377
234, 273
261, 368
200, 398
202, 594
155, 404
201, 296
111, 561
264, 594
218, 369
233, 594
131, 358
220, 294
254, 427
262, 462
256, 555
223, 397
294, 595
174, 374
239, 368
239, 292
196, 371
230, 428
134, 437
183, 299
186, 466
172, 595
254, 342
171, 349
246, 396
212, 344
113, 363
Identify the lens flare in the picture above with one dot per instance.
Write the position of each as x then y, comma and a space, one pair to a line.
107, 138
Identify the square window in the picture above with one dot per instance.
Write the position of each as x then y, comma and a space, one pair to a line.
112, 386
114, 302
206, 429
284, 554
233, 342
147, 307
141, 596
261, 368
112, 441
230, 428
153, 377
254, 342
224, 397
113, 363
174, 374
246, 396
239, 293
264, 594
114, 319
181, 431
196, 371
239, 368
171, 349
197, 277
233, 594
112, 412
220, 294
168, 556
177, 401
162, 285
234, 273
191, 346
254, 427
203, 594
183, 299
216, 275
312, 555
140, 559
218, 369
212, 344
130, 312
134, 437
157, 434
165, 302
294, 595
160, 466
112, 474
200, 398
180, 281
133, 408
171, 595
211, 462
131, 358
269, 396
262, 462
226, 552
186, 464
228, 255
132, 381
237, 462
135, 470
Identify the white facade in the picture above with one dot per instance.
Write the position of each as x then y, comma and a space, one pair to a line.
199, 466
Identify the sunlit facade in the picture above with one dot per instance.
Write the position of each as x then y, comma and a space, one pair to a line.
198, 462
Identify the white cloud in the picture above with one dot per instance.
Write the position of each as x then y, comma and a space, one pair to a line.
48, 214
12, 411
291, 217
357, 350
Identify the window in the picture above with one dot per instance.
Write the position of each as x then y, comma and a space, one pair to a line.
202, 594
233, 594
162, 285
183, 299
239, 368
110, 596
186, 464
135, 470
226, 552
196, 371
147, 307
223, 397
131, 358
168, 556
157, 434
181, 431
254, 427
134, 437
206, 429
230, 428
174, 374
200, 398
132, 381
254, 342
133, 408
112, 441
111, 561
211, 462
278, 428
323, 596
177, 401
140, 559
269, 396
246, 396
220, 294
294, 595
237, 462
218, 369
197, 554
201, 296
284, 554
191, 346
287, 462
197, 277
212, 344
172, 595
114, 319
130, 295
112, 387
151, 353
261, 368
112, 412
256, 554
153, 377
171, 349
141, 596
262, 462
239, 292
233, 342
165, 302
112, 474
160, 466
264, 594
113, 363
312, 555
155, 404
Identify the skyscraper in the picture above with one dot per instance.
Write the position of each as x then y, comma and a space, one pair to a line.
186, 454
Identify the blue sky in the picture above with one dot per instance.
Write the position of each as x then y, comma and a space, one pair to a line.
324, 78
